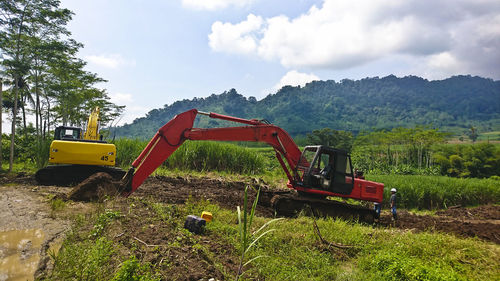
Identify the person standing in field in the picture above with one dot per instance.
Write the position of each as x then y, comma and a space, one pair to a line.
377, 208
393, 204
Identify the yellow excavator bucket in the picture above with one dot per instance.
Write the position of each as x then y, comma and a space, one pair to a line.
82, 153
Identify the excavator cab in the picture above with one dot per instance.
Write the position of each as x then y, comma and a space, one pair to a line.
325, 168
67, 133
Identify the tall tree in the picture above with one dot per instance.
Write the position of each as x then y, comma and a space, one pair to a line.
1, 113
473, 134
1, 107
21, 20
45, 73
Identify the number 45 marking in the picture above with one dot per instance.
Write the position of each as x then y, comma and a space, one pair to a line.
104, 158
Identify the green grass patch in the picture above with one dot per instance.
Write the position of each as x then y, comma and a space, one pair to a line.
489, 136
57, 204
133, 270
82, 257
293, 251
89, 253
435, 192
26, 167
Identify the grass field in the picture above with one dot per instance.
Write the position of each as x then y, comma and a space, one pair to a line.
291, 251
491, 136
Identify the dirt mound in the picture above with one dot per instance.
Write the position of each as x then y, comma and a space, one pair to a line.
486, 212
95, 188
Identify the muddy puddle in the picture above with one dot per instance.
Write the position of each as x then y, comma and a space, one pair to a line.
20, 253
28, 231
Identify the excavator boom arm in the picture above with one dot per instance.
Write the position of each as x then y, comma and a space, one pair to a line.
180, 128
92, 132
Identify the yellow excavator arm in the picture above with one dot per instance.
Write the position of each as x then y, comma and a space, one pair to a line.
92, 132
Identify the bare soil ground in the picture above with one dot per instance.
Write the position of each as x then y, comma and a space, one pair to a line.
25, 205
226, 194
486, 229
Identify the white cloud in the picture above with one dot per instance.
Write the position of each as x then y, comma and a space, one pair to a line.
132, 109
121, 98
212, 5
235, 38
448, 36
295, 78
112, 61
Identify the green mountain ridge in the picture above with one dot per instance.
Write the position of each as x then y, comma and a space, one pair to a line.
453, 104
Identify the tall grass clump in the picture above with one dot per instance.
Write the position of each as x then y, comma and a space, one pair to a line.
198, 156
215, 156
436, 192
41, 150
127, 150
247, 239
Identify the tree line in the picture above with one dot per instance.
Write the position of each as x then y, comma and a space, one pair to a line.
419, 150
41, 75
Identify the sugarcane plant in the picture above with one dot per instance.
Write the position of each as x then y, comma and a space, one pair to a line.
248, 240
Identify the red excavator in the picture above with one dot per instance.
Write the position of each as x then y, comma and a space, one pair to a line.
315, 173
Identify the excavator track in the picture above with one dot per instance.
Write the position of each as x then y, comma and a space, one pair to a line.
68, 175
290, 205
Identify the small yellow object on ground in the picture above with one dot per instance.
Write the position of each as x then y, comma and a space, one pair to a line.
207, 216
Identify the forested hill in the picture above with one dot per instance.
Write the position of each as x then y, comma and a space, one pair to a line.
453, 104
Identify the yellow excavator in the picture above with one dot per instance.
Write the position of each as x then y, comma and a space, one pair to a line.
74, 156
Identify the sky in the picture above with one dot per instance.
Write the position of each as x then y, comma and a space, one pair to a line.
156, 52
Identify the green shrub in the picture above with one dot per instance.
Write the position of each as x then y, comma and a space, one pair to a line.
127, 150
133, 270
84, 260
